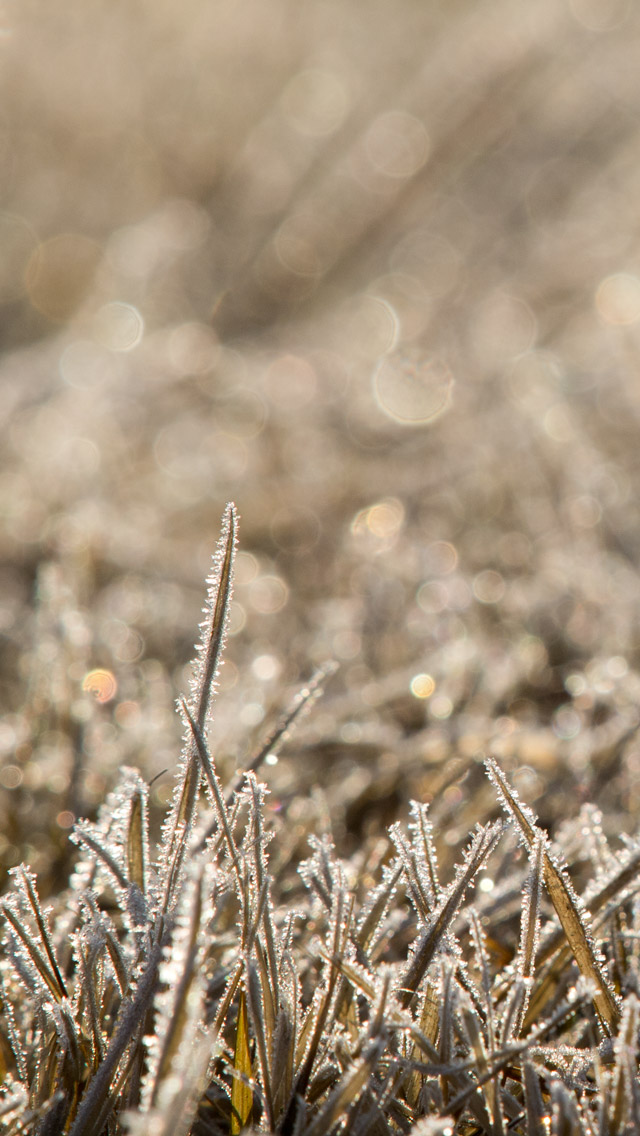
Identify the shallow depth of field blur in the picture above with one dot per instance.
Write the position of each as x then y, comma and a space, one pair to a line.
372, 271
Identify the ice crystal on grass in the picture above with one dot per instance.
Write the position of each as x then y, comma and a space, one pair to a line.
179, 1003
191, 991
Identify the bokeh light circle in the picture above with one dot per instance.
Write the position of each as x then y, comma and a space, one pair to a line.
412, 388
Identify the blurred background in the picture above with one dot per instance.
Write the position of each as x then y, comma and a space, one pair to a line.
372, 271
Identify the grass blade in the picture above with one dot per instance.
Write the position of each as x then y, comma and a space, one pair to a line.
241, 1091
480, 848
570, 912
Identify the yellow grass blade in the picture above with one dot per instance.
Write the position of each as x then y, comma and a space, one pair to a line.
241, 1093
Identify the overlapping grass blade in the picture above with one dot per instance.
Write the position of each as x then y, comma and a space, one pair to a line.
571, 913
480, 848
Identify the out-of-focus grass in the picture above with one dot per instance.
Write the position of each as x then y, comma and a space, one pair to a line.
372, 272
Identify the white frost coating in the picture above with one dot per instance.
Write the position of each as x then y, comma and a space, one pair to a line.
451, 899
213, 629
61, 1014
529, 941
496, 778
575, 918
423, 843
104, 844
101, 938
422, 896
24, 966
585, 916
530, 918
179, 1003
319, 870
12, 1030
29, 941
564, 1108
206, 665
433, 1126
375, 908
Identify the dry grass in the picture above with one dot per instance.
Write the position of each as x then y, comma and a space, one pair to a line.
189, 992
374, 276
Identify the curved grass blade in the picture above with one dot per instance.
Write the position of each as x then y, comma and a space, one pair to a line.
90, 1116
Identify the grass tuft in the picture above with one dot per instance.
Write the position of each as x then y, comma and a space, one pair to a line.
218, 984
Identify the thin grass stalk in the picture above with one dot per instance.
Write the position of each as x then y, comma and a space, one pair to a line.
422, 902
269, 1003
304, 1075
263, 880
214, 631
255, 1005
423, 830
626, 1050
38, 960
89, 1114
89, 991
534, 1105
82, 836
178, 1013
482, 845
211, 662
302, 702
481, 1069
376, 913
17, 1048
26, 880
222, 812
348, 1090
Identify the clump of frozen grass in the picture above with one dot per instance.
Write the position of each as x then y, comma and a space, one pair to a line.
179, 992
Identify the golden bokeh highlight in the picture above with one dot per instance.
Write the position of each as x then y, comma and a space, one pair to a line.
422, 686
101, 683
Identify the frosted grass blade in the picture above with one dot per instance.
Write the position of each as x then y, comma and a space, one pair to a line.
480, 848
206, 666
26, 882
571, 913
